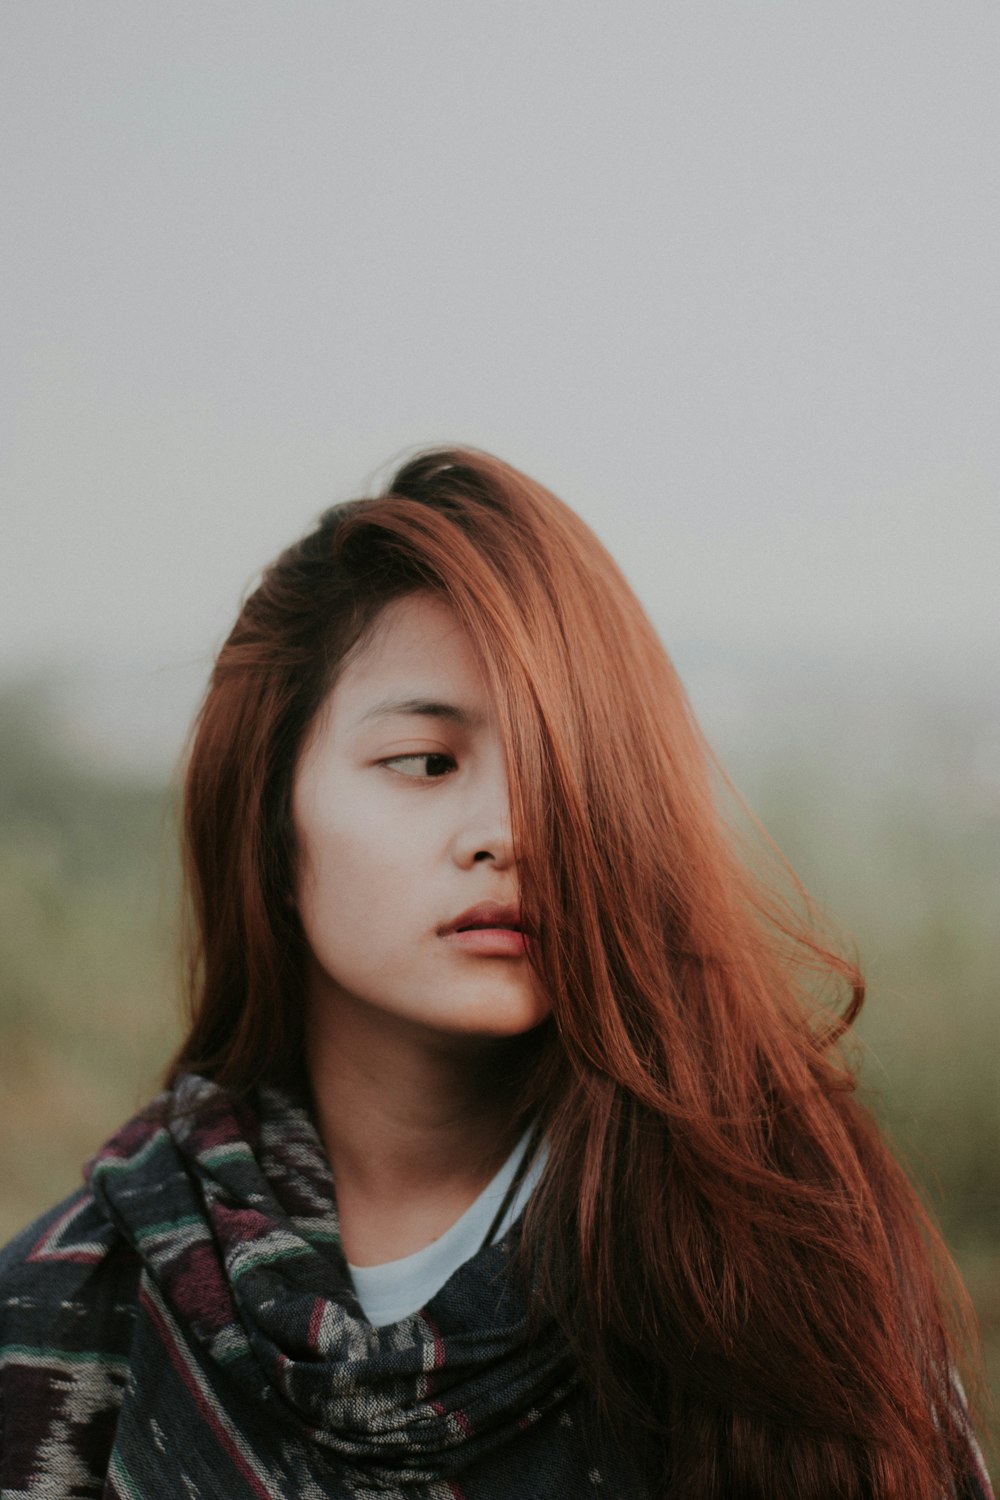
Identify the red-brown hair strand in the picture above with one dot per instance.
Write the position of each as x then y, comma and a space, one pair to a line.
757, 1297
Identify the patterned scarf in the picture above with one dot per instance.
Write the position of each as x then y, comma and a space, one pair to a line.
187, 1328
253, 1371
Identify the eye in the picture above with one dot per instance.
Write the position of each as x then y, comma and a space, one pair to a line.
437, 765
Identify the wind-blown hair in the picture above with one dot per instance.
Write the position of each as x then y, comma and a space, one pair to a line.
757, 1298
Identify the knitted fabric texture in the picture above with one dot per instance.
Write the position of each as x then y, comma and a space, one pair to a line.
187, 1327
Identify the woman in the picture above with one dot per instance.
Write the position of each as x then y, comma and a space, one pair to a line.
472, 947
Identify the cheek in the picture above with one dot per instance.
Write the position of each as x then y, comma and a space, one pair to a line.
352, 891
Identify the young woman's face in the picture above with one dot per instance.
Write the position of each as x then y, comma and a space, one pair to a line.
401, 819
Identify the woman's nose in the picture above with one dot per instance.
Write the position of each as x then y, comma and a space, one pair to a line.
481, 842
485, 832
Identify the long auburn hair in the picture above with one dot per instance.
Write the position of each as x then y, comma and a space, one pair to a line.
760, 1303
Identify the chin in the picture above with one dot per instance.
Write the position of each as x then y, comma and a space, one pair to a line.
508, 1024
493, 1019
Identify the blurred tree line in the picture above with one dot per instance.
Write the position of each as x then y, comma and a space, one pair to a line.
88, 953
89, 959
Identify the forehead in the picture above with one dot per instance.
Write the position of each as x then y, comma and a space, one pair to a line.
417, 648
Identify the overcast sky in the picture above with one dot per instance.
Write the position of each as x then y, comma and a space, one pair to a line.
723, 275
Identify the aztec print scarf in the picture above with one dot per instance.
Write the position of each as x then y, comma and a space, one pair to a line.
186, 1327
251, 1369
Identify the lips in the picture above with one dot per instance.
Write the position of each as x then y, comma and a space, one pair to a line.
487, 914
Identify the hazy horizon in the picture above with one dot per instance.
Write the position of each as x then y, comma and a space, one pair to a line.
723, 277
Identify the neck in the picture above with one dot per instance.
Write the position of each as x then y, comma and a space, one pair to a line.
414, 1123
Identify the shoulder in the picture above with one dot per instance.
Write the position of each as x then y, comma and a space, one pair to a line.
67, 1243
69, 1268
68, 1285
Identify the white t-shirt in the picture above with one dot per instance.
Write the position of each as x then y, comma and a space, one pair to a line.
398, 1288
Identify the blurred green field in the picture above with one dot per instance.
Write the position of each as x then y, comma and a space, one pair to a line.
906, 860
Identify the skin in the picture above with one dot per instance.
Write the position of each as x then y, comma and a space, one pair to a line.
401, 823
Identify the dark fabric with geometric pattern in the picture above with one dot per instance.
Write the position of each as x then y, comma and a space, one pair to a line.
185, 1326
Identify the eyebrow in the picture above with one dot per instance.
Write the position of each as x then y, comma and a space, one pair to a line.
427, 708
